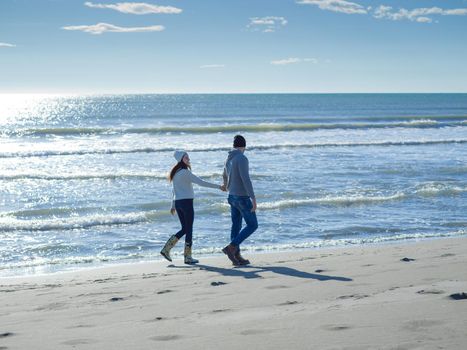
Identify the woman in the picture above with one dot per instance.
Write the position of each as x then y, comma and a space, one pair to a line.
182, 180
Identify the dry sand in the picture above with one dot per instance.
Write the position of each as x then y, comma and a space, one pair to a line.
346, 298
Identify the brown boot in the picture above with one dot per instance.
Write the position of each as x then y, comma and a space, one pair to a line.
230, 251
240, 259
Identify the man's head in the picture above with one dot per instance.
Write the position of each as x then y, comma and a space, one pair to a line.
239, 142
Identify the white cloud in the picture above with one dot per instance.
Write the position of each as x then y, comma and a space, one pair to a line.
7, 45
421, 15
292, 60
136, 8
455, 12
343, 6
416, 15
100, 28
206, 66
267, 24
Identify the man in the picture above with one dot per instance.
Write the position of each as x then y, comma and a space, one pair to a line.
241, 199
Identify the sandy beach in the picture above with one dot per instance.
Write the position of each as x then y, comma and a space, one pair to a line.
347, 298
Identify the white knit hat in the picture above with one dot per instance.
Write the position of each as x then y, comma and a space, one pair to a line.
178, 155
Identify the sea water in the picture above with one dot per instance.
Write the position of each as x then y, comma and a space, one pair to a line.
83, 179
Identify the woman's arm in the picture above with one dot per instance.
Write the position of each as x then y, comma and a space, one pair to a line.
196, 180
172, 208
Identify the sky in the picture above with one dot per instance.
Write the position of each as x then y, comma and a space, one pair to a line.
233, 46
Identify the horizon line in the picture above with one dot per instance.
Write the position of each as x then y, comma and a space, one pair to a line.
226, 93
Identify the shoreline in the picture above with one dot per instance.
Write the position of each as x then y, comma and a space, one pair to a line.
357, 297
178, 256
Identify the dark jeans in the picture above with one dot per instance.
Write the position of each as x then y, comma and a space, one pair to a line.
240, 208
186, 214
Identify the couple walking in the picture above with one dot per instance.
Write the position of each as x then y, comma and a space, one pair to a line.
241, 199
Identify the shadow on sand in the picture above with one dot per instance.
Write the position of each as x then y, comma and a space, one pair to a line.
252, 271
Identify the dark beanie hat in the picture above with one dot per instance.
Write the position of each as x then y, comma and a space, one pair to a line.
239, 141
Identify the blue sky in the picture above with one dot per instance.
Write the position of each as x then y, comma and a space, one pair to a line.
69, 46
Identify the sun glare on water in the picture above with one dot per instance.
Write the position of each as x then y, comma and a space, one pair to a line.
20, 109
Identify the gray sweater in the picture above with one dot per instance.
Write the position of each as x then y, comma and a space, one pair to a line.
183, 185
236, 175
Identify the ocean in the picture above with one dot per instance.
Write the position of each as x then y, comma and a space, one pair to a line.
83, 179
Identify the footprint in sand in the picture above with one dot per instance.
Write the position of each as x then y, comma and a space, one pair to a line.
74, 342
103, 280
354, 296
165, 337
431, 291
306, 258
336, 327
288, 303
82, 326
219, 310
6, 334
155, 319
116, 299
458, 296
217, 283
165, 291
407, 259
280, 286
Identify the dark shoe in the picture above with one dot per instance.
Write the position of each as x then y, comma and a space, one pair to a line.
230, 251
240, 259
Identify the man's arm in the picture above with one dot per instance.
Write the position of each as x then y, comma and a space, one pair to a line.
224, 176
244, 171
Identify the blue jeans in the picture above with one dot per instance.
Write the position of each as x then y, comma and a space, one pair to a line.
240, 208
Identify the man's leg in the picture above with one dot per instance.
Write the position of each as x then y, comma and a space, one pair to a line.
244, 205
236, 216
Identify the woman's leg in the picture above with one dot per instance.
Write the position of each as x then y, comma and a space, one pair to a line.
179, 207
189, 219
174, 239
186, 216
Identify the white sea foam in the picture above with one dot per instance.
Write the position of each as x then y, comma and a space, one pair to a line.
215, 148
9, 223
437, 189
330, 200
226, 128
420, 122
352, 241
